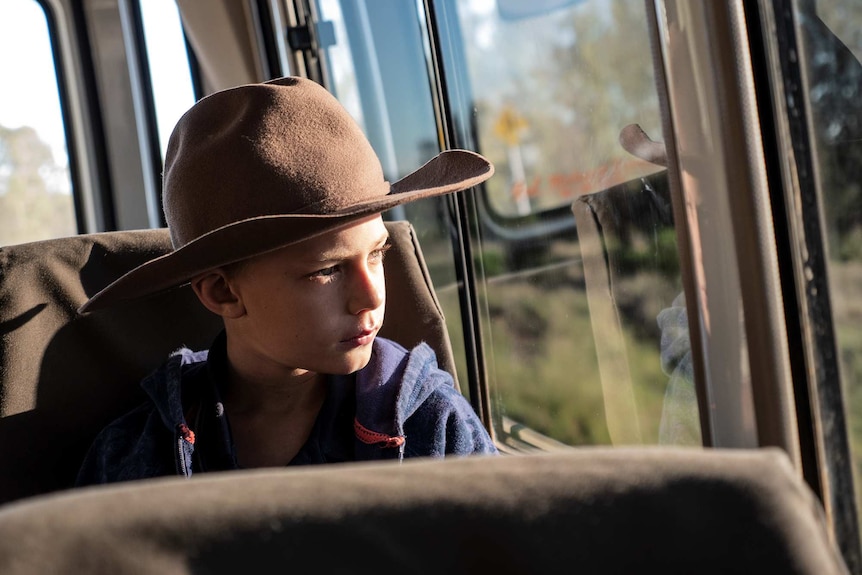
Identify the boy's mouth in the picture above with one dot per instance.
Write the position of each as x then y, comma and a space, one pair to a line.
362, 337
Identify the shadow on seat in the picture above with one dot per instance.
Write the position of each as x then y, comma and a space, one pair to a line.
64, 377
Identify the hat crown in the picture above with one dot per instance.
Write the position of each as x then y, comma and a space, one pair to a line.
259, 167
284, 147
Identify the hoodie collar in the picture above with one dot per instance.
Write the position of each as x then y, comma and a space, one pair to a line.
393, 385
165, 385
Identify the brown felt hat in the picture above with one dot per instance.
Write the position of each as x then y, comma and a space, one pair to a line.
259, 167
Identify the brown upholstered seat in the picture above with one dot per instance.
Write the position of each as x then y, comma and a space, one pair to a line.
63, 378
584, 511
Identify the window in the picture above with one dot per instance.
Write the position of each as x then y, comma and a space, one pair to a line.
35, 186
547, 84
831, 57
170, 75
573, 308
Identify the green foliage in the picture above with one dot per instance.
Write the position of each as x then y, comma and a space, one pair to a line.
604, 76
545, 375
658, 252
29, 209
850, 245
846, 295
542, 360
587, 72
492, 261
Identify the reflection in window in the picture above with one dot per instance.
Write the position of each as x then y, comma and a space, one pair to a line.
584, 333
548, 87
170, 74
35, 186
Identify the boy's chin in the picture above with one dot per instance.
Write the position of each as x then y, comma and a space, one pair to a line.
355, 362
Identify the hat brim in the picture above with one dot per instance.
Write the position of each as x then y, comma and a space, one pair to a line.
450, 171
636, 142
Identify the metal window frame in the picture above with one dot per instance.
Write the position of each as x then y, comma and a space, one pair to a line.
85, 139
462, 207
823, 431
144, 108
721, 189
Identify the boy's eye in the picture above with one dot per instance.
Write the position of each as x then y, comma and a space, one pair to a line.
325, 272
380, 253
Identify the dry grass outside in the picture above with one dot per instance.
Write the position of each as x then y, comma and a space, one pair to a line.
542, 361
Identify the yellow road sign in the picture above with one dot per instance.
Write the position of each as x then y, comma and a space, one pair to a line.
509, 125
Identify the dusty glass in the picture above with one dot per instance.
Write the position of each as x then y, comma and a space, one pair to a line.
832, 50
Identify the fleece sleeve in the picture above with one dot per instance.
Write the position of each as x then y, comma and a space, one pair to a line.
445, 424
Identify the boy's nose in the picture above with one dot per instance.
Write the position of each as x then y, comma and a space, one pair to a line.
368, 291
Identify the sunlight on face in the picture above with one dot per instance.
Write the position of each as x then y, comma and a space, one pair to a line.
316, 305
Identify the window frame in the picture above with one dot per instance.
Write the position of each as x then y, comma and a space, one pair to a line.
824, 440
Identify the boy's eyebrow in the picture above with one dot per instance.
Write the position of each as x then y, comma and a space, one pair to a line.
336, 255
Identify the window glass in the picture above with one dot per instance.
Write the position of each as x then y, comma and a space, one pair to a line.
832, 35
339, 60
584, 329
547, 83
35, 186
173, 91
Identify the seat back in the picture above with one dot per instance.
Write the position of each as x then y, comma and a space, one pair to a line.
64, 377
664, 511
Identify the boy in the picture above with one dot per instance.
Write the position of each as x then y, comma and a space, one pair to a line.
273, 198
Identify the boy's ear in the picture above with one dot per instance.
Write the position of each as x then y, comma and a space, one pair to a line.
216, 293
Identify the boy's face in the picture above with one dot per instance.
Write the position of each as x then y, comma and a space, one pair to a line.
316, 305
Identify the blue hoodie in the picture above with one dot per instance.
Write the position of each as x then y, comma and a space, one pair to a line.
401, 405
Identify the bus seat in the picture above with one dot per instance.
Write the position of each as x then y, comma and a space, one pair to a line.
607, 225
64, 377
589, 510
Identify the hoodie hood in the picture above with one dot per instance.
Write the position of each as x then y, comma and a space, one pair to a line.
399, 396
165, 385
391, 388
